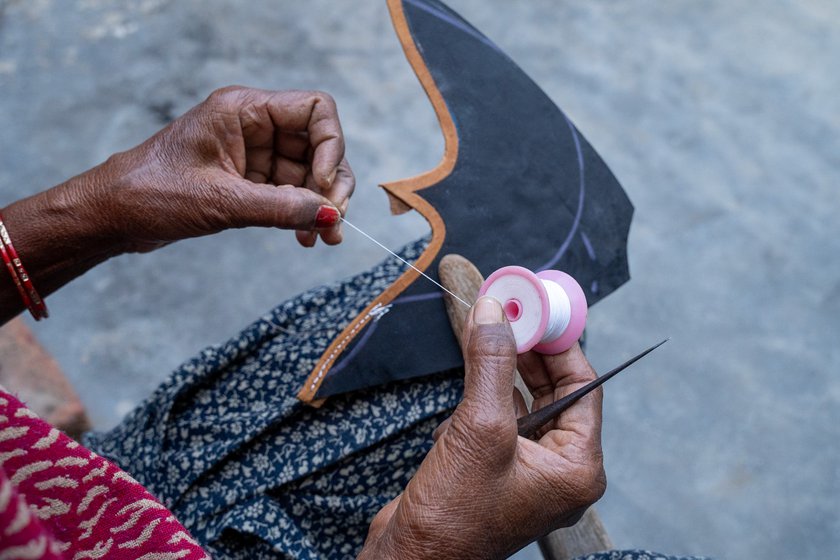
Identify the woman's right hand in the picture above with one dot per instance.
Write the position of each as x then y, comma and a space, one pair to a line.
244, 157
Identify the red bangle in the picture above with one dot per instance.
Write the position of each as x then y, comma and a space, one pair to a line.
26, 289
15, 278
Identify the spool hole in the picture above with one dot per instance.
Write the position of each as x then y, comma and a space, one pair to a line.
513, 309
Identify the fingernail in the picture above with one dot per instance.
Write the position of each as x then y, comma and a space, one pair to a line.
331, 177
327, 216
488, 311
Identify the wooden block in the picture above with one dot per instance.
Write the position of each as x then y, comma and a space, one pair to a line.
585, 537
29, 372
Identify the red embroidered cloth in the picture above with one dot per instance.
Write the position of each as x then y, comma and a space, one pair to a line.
59, 500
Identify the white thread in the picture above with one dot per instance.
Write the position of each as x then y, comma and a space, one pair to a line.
536, 317
376, 313
328, 362
379, 312
427, 277
560, 311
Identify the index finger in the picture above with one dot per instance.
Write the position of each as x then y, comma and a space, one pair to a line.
314, 112
339, 194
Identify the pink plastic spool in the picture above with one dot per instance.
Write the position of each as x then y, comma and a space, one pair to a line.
547, 311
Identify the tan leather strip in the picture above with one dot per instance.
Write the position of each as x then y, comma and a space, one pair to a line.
403, 190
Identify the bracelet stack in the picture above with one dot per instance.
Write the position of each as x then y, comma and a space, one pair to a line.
22, 281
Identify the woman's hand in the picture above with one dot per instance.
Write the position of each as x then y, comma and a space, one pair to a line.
243, 157
483, 491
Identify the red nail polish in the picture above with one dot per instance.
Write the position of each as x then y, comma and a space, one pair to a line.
327, 216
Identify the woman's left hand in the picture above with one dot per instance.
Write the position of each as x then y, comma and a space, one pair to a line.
483, 491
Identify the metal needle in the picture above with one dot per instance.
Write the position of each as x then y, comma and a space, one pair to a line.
529, 424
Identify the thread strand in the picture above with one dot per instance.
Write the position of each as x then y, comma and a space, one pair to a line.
423, 274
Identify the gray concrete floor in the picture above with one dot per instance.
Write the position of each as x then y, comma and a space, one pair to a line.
721, 118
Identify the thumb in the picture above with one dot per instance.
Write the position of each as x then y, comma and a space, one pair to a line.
489, 357
281, 206
487, 411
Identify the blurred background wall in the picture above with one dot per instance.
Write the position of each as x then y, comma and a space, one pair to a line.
720, 118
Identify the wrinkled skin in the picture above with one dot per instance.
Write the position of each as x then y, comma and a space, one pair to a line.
244, 154
247, 157
483, 491
243, 157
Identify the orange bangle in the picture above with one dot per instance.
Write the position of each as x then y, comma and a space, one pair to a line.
22, 281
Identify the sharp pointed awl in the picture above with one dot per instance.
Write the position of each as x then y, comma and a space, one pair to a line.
529, 424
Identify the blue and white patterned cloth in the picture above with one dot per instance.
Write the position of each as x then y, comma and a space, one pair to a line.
251, 471
635, 555
254, 473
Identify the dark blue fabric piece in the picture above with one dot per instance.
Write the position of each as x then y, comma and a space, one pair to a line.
519, 163
254, 473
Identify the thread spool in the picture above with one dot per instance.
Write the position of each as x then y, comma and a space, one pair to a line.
547, 310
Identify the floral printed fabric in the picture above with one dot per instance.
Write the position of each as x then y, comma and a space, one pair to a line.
251, 471
254, 473
635, 555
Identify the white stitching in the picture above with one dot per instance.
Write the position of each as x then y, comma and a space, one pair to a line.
374, 312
